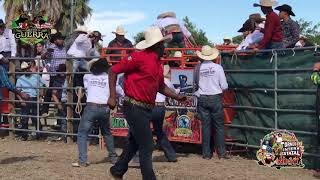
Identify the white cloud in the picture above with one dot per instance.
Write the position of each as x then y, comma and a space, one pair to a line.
107, 21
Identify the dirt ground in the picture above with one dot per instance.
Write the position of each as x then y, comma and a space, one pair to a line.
37, 160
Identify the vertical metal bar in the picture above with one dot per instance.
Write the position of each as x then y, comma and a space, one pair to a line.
72, 16
38, 94
69, 79
275, 92
12, 68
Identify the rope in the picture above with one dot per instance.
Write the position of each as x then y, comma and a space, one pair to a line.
274, 54
234, 55
80, 94
316, 47
294, 52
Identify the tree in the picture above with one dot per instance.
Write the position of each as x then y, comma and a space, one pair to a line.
237, 39
198, 34
311, 31
138, 37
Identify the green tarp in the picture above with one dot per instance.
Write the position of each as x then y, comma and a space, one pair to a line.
296, 79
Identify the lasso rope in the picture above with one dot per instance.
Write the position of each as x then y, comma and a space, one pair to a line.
80, 94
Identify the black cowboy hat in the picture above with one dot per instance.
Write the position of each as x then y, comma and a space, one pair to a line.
2, 24
56, 36
96, 34
247, 26
285, 8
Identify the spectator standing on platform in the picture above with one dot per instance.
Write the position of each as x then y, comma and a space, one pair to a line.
97, 92
290, 28
143, 79
273, 35
210, 82
29, 84
119, 42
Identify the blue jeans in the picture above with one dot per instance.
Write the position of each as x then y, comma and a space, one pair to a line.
275, 45
158, 114
140, 138
29, 109
79, 63
90, 115
211, 112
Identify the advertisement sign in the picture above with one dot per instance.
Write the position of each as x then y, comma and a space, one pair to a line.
280, 149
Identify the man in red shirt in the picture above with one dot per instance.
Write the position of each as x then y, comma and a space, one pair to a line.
272, 32
143, 79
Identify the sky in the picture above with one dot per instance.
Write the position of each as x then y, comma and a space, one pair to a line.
217, 18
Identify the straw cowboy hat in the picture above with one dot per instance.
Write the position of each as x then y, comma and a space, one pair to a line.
152, 36
285, 8
90, 63
266, 3
24, 65
82, 29
256, 18
167, 14
208, 53
166, 70
120, 31
227, 38
177, 54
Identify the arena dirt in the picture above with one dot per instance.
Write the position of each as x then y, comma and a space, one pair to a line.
32, 160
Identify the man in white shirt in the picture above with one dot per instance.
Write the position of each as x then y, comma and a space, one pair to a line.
84, 46
169, 24
8, 46
210, 82
97, 92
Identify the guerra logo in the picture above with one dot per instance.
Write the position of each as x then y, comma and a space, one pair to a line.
31, 31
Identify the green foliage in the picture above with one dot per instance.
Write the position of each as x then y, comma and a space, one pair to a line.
311, 31
198, 34
138, 37
237, 39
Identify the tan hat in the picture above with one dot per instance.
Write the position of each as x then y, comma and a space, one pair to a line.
266, 3
53, 31
167, 14
177, 54
82, 29
24, 65
152, 36
90, 63
208, 53
120, 31
227, 38
166, 70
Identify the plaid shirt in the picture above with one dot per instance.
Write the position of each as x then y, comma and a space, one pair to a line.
291, 32
57, 53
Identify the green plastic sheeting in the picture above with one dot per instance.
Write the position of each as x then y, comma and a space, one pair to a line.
266, 98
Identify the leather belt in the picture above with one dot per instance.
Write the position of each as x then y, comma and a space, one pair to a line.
97, 105
138, 103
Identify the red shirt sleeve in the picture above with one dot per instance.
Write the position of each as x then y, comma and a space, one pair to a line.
126, 65
161, 78
267, 31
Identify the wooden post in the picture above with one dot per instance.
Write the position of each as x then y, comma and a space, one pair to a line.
69, 77
12, 69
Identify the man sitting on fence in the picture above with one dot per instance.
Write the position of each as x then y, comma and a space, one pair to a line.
29, 84
119, 42
97, 91
210, 82
290, 28
273, 35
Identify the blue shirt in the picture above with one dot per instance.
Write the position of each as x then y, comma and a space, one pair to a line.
4, 80
29, 84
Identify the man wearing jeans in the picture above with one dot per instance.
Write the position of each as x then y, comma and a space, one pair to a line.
210, 82
143, 79
97, 91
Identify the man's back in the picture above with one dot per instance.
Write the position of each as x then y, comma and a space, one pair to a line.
212, 79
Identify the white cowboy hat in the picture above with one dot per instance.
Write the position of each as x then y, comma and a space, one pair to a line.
227, 38
167, 14
90, 63
53, 31
177, 54
120, 31
152, 36
266, 3
24, 65
166, 70
82, 29
208, 53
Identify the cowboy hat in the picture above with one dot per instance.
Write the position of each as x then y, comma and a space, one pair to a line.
167, 14
2, 24
208, 53
166, 70
257, 18
24, 65
84, 29
152, 36
285, 8
177, 54
266, 3
90, 63
227, 38
53, 31
247, 26
96, 34
120, 31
